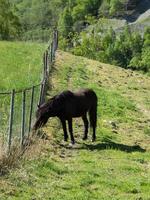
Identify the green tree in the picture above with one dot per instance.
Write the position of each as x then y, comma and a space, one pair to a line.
65, 23
9, 22
136, 46
115, 7
146, 51
84, 8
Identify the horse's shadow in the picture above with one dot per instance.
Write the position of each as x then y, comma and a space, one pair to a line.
100, 146
110, 145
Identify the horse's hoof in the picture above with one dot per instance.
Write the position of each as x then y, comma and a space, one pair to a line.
73, 142
84, 138
70, 146
93, 139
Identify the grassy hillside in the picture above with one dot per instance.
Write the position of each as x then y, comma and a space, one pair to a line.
116, 166
20, 64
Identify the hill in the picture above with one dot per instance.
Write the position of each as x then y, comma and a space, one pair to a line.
116, 166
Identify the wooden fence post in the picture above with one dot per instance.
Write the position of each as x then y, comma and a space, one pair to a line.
31, 108
23, 116
11, 119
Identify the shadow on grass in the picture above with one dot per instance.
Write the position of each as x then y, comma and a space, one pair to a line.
106, 145
113, 145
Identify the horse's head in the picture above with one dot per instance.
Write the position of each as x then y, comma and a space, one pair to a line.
51, 108
42, 114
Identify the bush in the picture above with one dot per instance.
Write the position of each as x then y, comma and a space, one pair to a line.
127, 50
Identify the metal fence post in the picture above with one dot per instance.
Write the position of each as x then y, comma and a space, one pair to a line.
11, 118
55, 40
51, 52
23, 116
41, 94
46, 64
44, 90
49, 59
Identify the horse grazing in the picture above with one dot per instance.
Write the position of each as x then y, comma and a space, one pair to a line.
68, 105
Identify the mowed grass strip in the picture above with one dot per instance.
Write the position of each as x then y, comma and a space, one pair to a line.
116, 166
20, 64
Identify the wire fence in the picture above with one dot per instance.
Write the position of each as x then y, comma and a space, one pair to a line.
18, 108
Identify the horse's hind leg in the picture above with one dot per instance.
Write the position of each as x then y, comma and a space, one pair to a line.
86, 125
94, 134
93, 120
64, 129
71, 131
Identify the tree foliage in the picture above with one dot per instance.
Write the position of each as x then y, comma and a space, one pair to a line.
128, 50
9, 22
66, 22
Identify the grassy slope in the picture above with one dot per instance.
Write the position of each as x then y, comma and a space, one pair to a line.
114, 167
20, 64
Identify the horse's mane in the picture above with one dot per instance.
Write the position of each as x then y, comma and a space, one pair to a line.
57, 100
65, 94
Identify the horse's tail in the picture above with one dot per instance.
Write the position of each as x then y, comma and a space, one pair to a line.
93, 113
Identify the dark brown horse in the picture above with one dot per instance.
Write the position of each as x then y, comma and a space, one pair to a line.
68, 105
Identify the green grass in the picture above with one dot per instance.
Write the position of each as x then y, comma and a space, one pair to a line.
115, 166
20, 67
20, 64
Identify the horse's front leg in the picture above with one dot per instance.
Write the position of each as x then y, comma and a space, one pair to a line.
71, 131
86, 125
64, 129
